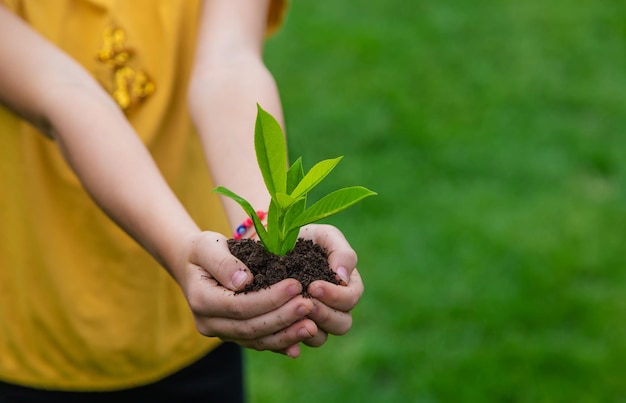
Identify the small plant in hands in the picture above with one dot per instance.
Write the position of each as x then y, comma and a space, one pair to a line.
280, 253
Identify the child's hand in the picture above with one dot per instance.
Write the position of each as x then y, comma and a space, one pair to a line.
272, 319
333, 303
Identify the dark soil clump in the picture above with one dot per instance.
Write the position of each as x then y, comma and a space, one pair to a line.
306, 263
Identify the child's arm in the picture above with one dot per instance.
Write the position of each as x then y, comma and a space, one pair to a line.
228, 80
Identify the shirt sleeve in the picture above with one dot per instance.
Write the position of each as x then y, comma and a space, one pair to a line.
276, 15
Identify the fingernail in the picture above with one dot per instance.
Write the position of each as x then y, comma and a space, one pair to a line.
239, 278
317, 292
342, 273
303, 311
303, 333
294, 290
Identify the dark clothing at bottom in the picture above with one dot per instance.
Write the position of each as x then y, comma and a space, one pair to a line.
217, 377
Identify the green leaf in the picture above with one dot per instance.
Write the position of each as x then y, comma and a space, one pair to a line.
331, 204
247, 207
294, 175
273, 229
271, 152
315, 176
289, 242
285, 201
291, 236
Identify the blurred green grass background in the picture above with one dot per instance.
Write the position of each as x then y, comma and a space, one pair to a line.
494, 255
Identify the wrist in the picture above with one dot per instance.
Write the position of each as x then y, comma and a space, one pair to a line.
246, 228
177, 247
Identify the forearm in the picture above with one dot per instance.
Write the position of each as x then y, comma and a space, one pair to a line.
223, 104
228, 80
118, 172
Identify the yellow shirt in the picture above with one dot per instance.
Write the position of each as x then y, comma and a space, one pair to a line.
82, 306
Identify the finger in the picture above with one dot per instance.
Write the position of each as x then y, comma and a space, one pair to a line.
211, 252
318, 340
342, 259
291, 351
331, 320
339, 297
258, 327
213, 301
284, 341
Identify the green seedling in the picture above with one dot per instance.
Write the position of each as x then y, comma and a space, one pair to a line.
288, 189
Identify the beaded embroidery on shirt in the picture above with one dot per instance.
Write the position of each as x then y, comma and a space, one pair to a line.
131, 86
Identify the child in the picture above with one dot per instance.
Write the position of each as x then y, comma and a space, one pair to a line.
111, 110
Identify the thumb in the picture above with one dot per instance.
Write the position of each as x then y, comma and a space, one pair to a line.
212, 254
341, 257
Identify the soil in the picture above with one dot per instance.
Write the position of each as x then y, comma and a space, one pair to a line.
306, 263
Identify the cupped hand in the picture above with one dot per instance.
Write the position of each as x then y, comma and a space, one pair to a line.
274, 319
332, 303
